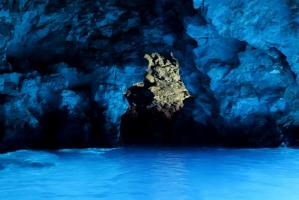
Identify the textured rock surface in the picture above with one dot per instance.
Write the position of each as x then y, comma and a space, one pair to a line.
256, 71
65, 65
155, 103
164, 82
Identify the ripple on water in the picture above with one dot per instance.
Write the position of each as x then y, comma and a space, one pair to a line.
149, 173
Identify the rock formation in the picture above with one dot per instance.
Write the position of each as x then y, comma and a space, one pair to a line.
160, 96
164, 82
64, 66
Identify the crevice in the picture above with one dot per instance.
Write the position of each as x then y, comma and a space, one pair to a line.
282, 59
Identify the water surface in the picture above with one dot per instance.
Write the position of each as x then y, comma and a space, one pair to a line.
149, 173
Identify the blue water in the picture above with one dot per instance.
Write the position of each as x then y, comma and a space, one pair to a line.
145, 173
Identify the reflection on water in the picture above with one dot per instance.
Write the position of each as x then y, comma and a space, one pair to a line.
145, 173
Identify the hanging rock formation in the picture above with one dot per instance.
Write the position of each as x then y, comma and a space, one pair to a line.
159, 107
163, 81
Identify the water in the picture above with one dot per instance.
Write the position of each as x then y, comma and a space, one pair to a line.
146, 174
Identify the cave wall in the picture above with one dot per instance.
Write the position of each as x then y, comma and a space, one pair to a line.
65, 65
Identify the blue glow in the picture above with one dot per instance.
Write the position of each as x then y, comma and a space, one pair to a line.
212, 174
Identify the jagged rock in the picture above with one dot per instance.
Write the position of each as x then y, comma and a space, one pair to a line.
163, 81
64, 66
160, 108
273, 25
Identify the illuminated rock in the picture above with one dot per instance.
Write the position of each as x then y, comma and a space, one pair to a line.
163, 81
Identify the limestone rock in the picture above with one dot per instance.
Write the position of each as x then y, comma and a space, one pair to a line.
65, 65
163, 81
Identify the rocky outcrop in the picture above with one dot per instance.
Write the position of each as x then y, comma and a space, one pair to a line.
163, 82
154, 103
65, 65
247, 48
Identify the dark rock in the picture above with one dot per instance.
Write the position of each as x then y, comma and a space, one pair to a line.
65, 65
